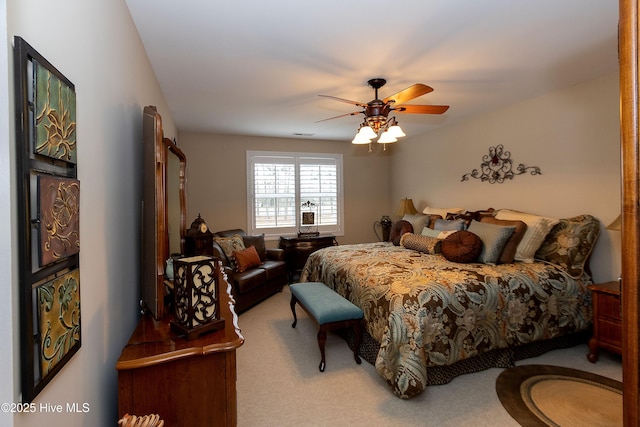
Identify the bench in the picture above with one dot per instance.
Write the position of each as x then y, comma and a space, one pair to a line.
329, 310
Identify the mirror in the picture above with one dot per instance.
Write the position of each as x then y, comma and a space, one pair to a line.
175, 196
164, 207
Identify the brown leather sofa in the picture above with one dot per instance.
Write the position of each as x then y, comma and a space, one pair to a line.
256, 283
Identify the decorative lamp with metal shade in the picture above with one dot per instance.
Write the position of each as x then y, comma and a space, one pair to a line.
196, 299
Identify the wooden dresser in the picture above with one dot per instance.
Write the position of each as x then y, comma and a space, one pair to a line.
298, 249
188, 383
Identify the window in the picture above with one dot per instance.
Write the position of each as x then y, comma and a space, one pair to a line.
278, 184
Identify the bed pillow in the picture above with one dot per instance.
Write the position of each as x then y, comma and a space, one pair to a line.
509, 251
442, 211
420, 243
469, 216
445, 225
462, 246
258, 242
537, 229
446, 233
418, 221
438, 234
429, 232
246, 258
493, 237
570, 243
398, 229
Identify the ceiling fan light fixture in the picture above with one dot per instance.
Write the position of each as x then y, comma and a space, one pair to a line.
376, 112
360, 139
394, 129
367, 132
387, 138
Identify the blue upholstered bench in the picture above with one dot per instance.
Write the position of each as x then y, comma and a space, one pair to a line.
329, 310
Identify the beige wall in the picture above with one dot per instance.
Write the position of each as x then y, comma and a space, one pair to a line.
95, 45
217, 180
572, 135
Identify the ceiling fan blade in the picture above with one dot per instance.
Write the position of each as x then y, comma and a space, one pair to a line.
359, 104
408, 94
341, 115
422, 109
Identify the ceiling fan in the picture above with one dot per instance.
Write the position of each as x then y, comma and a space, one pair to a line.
376, 112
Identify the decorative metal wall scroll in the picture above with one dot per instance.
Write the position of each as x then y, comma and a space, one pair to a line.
48, 218
498, 166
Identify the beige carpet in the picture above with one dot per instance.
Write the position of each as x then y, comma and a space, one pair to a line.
279, 383
543, 395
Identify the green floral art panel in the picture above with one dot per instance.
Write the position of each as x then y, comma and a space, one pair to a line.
59, 318
55, 116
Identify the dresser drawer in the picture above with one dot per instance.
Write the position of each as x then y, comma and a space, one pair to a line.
610, 332
608, 306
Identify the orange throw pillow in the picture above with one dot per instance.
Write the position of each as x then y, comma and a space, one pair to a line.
246, 259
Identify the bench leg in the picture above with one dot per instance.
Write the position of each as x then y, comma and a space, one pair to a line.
293, 302
322, 339
357, 327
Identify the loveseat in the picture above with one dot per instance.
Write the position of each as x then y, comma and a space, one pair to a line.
252, 280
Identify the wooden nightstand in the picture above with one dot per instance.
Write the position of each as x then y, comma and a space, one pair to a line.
607, 319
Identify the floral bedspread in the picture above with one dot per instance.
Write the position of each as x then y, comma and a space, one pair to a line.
427, 311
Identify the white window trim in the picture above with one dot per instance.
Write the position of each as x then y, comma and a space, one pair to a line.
275, 233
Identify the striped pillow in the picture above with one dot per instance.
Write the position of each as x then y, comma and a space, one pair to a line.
537, 229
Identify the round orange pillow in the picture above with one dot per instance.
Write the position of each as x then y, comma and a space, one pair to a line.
462, 246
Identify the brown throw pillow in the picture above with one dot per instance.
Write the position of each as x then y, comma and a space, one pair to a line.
258, 242
462, 246
246, 259
398, 229
509, 250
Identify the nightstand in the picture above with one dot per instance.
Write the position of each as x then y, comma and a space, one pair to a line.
607, 319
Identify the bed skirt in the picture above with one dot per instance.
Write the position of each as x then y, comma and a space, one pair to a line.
500, 358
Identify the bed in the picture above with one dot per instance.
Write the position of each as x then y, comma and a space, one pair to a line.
425, 311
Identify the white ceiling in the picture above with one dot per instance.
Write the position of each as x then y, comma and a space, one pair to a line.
256, 67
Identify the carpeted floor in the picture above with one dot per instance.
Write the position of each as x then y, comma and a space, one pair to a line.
279, 383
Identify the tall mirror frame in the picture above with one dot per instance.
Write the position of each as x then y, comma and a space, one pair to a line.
164, 208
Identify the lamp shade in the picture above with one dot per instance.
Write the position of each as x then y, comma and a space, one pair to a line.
360, 139
406, 207
616, 225
396, 131
386, 138
196, 300
367, 132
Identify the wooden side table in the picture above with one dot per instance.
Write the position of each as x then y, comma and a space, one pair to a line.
607, 319
298, 249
